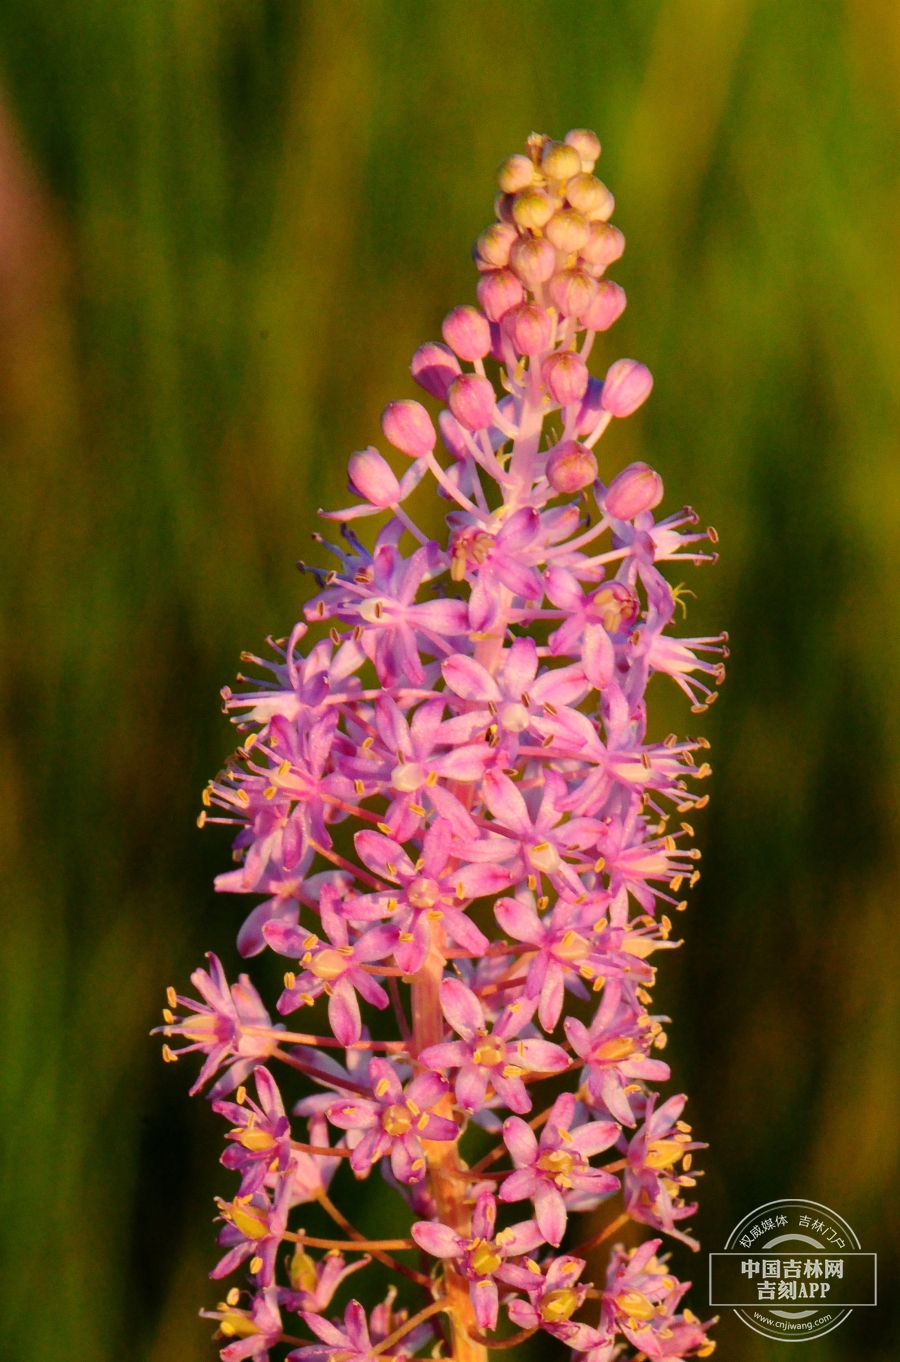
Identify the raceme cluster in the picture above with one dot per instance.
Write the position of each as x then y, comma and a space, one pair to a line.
474, 712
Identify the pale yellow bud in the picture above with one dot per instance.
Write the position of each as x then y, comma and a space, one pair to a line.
532, 208
591, 197
559, 162
515, 173
568, 231
587, 144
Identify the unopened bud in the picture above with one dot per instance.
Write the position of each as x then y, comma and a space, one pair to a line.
434, 368
515, 173
534, 260
371, 477
637, 488
467, 331
573, 292
626, 386
605, 244
591, 197
498, 292
471, 400
452, 435
530, 328
532, 208
568, 230
559, 160
587, 144
590, 409
408, 427
495, 243
566, 377
606, 307
571, 467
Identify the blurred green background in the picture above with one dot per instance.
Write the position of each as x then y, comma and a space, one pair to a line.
224, 227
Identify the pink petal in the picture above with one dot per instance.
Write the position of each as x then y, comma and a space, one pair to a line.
506, 803
438, 1240
464, 932
519, 1186
425, 1091
550, 1214
343, 1014
519, 920
520, 667
471, 1087
450, 1055
520, 1140
483, 1295
598, 656
542, 1056
461, 1008
468, 679
594, 1137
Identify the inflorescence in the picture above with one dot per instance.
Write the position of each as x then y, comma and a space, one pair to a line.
477, 711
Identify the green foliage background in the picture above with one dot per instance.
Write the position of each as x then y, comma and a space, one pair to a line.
231, 223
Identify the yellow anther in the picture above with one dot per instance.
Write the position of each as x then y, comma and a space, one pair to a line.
311, 940
675, 884
171, 996
243, 798
600, 925
284, 768
241, 1095
532, 883
256, 1264
169, 1057
233, 1296
385, 828
599, 864
290, 980
206, 797
687, 1161
358, 787
168, 1017
270, 792
381, 1087
431, 779
680, 907
418, 810
392, 905
423, 1120
406, 937
201, 819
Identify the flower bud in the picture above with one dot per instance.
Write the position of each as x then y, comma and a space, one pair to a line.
530, 328
503, 206
605, 244
371, 477
571, 467
468, 332
559, 161
498, 292
606, 307
533, 259
471, 399
566, 377
515, 173
434, 368
532, 208
493, 246
452, 435
587, 144
626, 386
637, 488
408, 427
591, 197
568, 231
590, 409
573, 292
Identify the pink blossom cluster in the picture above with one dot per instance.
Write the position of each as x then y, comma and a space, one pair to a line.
474, 709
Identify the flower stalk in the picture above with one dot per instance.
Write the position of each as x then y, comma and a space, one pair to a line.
474, 709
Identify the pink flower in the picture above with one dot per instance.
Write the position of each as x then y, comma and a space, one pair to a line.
559, 1164
224, 1028
314, 1283
261, 1134
481, 1057
554, 1295
255, 1330
394, 1121
334, 969
483, 1257
433, 890
254, 1228
352, 1342
652, 1183
615, 1051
